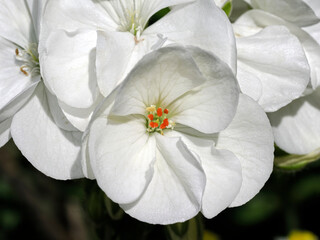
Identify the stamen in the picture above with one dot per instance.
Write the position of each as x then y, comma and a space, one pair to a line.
166, 122
150, 116
29, 59
154, 124
157, 120
152, 108
24, 71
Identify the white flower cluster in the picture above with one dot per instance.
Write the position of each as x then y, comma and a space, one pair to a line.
169, 117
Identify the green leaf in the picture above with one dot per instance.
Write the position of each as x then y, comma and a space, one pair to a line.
189, 230
227, 8
296, 162
158, 15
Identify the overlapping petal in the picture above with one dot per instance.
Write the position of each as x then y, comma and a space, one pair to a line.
210, 107
102, 111
16, 24
294, 11
122, 156
222, 169
12, 81
249, 137
51, 150
114, 52
5, 134
259, 18
220, 3
296, 127
212, 33
175, 191
73, 81
277, 61
159, 78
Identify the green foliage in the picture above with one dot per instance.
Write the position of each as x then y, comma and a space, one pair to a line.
158, 15
227, 8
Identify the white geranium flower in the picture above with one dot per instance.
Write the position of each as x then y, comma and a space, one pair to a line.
274, 54
72, 44
28, 111
295, 15
175, 138
295, 126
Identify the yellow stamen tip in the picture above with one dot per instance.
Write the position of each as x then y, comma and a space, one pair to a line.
151, 109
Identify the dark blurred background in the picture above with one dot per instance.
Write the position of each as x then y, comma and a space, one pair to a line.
34, 206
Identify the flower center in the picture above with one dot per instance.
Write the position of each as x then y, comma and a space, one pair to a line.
157, 120
29, 59
129, 16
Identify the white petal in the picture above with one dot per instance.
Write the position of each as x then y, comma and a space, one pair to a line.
224, 179
315, 6
221, 167
258, 18
295, 11
160, 77
101, 111
85, 159
16, 23
68, 66
122, 155
314, 31
210, 107
5, 134
36, 8
72, 15
151, 7
51, 150
220, 3
249, 83
206, 26
114, 50
278, 61
16, 103
57, 113
12, 81
249, 137
296, 127
117, 54
79, 117
175, 191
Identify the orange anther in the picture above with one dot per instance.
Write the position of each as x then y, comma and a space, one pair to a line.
166, 111
24, 71
153, 124
165, 122
162, 126
150, 116
159, 112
